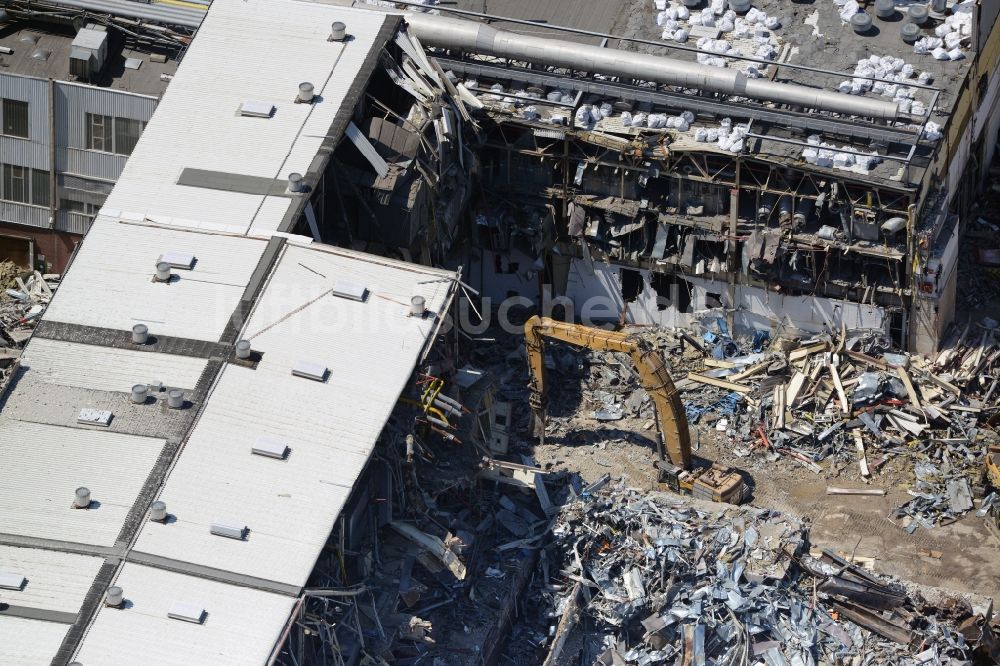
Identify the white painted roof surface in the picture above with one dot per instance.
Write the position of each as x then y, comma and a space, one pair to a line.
56, 581
107, 369
110, 283
41, 466
29, 642
246, 50
241, 625
331, 427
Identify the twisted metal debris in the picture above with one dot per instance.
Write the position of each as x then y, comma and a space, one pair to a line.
648, 578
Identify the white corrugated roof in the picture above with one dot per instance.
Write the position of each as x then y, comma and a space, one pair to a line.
246, 50
110, 283
240, 625
370, 349
56, 581
41, 466
29, 642
106, 369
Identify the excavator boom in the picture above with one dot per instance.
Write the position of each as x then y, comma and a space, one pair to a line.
718, 483
653, 376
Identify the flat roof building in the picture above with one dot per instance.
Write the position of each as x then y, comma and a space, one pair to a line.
256, 457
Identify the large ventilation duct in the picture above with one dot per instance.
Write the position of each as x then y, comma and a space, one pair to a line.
475, 37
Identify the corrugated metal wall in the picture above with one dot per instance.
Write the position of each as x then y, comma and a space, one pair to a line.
72, 103
104, 166
32, 216
31, 152
74, 223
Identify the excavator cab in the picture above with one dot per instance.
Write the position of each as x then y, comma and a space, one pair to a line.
717, 483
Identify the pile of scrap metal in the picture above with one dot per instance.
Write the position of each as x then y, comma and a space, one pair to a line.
649, 578
23, 297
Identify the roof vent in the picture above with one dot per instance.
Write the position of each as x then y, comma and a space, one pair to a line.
231, 530
270, 447
861, 22
175, 399
91, 416
158, 511
305, 93
310, 370
140, 334
114, 597
243, 349
182, 260
885, 9
351, 290
910, 32
917, 13
740, 6
186, 612
139, 394
939, 5
417, 306
11, 581
295, 182
163, 272
82, 498
256, 109
338, 31
691, 3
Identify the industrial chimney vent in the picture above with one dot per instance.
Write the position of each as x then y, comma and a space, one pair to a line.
114, 597
306, 93
338, 32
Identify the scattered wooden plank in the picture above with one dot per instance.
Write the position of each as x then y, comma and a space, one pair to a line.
721, 383
845, 407
911, 392
779, 406
719, 363
754, 369
808, 350
865, 358
859, 444
794, 388
934, 379
874, 492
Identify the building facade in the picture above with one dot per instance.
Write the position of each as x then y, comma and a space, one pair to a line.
67, 132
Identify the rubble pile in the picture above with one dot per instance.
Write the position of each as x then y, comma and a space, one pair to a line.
648, 578
845, 406
22, 302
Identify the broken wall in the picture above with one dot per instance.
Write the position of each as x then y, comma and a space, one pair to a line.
758, 308
597, 289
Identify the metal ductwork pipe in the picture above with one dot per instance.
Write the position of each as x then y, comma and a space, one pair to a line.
475, 37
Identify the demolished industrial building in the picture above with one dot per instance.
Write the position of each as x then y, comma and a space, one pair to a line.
424, 333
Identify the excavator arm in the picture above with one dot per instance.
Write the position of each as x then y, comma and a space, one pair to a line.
653, 376
717, 483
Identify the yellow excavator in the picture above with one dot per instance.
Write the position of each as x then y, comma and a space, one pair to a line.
718, 482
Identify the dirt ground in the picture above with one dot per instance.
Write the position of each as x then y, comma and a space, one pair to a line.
970, 555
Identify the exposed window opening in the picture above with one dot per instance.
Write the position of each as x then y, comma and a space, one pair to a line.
631, 284
713, 300
670, 291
